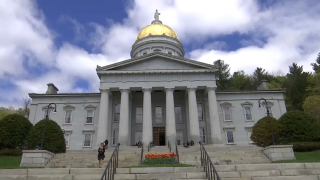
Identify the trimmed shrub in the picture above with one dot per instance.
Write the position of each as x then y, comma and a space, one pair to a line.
304, 146
299, 127
53, 139
261, 131
14, 128
11, 152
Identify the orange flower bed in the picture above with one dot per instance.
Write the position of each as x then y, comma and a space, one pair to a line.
161, 155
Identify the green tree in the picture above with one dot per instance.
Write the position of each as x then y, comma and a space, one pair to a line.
6, 111
299, 127
261, 131
278, 82
313, 84
53, 140
239, 81
14, 128
296, 85
223, 74
312, 106
316, 65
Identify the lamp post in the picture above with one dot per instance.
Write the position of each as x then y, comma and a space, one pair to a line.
273, 142
45, 123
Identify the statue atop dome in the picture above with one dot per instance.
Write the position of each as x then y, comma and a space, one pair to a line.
156, 15
156, 18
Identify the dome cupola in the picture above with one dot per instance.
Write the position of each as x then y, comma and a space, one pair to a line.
157, 37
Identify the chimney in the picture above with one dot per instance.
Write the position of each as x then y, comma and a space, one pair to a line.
52, 89
263, 85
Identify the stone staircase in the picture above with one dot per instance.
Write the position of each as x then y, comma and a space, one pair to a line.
285, 171
299, 171
128, 156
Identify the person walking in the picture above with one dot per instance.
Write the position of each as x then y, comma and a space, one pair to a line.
101, 156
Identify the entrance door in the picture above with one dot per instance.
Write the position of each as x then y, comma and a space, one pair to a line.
162, 138
159, 136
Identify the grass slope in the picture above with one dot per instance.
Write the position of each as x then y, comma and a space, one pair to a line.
304, 157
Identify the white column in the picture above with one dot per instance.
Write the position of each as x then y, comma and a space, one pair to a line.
103, 117
170, 117
147, 117
124, 118
214, 117
193, 116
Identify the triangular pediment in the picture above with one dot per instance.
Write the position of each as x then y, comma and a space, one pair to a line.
156, 61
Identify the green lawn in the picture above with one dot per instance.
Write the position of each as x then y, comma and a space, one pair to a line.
9, 162
301, 157
161, 165
12, 162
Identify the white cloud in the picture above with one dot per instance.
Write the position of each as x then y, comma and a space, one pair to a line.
281, 34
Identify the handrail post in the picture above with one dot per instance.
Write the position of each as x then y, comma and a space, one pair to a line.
207, 164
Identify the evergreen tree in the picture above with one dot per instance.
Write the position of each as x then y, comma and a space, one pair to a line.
223, 74
296, 85
316, 65
240, 81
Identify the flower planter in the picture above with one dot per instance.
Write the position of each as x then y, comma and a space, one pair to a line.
161, 158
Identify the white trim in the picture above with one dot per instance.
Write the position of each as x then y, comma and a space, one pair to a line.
45, 113
180, 114
87, 117
202, 111
84, 138
245, 115
223, 113
136, 114
249, 139
114, 112
65, 114
229, 130
90, 106
69, 134
155, 114
68, 107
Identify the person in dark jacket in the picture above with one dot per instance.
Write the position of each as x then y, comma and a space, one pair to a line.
101, 156
106, 144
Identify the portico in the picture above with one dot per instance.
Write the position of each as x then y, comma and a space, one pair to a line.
149, 120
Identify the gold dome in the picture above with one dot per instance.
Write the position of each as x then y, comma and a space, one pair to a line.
157, 29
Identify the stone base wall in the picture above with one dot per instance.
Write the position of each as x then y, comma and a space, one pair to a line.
35, 158
279, 152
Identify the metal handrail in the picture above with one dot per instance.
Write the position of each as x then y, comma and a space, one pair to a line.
112, 165
177, 152
207, 164
149, 146
169, 145
141, 156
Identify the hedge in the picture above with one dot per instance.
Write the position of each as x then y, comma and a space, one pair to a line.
304, 146
261, 131
53, 140
11, 152
299, 127
14, 128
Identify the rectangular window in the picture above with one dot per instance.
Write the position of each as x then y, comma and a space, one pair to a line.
89, 117
87, 140
248, 113
227, 113
230, 139
67, 137
139, 114
249, 136
178, 114
200, 111
270, 111
116, 112
67, 118
115, 137
138, 137
202, 136
158, 114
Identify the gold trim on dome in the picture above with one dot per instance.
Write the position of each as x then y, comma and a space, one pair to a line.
158, 30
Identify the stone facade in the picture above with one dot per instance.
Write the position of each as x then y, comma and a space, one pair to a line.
157, 95
35, 158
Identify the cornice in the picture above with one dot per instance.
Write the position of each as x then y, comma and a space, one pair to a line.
32, 95
158, 71
155, 54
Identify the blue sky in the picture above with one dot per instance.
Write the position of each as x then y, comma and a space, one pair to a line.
62, 42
